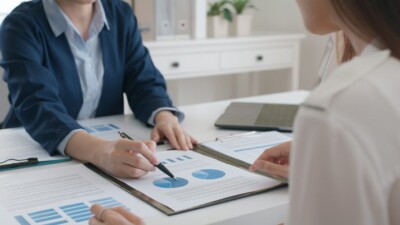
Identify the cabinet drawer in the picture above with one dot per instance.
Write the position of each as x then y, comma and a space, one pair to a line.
187, 63
256, 58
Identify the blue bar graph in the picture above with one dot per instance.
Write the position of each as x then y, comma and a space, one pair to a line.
101, 128
66, 214
78, 212
46, 217
58, 222
182, 158
107, 202
187, 157
21, 220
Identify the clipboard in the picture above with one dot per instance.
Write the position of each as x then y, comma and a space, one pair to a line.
30, 162
213, 148
164, 207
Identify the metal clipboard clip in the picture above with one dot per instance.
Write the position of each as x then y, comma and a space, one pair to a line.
234, 137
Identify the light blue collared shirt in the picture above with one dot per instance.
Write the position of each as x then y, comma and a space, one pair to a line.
88, 57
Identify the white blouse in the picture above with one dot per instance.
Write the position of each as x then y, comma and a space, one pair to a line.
346, 152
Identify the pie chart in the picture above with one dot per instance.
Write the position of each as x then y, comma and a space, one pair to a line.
208, 174
168, 182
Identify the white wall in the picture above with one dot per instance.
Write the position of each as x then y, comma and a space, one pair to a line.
285, 15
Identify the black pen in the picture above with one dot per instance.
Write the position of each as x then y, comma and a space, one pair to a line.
19, 163
159, 166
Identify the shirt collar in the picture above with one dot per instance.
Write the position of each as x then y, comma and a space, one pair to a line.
60, 23
371, 48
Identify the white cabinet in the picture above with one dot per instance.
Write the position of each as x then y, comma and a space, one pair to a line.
211, 57
177, 65
263, 58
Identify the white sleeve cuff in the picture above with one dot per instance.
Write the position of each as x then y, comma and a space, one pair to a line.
179, 114
63, 144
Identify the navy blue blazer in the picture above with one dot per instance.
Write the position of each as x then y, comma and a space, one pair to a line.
45, 93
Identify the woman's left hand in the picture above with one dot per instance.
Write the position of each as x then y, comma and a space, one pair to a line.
167, 126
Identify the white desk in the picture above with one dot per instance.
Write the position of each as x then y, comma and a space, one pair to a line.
268, 208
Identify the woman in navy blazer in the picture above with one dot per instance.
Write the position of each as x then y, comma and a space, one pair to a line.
45, 85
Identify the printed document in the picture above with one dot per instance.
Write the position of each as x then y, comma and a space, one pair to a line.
61, 195
17, 144
246, 147
200, 180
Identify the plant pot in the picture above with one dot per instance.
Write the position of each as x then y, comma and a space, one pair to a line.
218, 27
242, 25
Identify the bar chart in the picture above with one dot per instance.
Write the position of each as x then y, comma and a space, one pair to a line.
101, 128
183, 158
66, 214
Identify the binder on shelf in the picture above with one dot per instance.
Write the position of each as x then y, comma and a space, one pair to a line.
145, 14
182, 18
165, 19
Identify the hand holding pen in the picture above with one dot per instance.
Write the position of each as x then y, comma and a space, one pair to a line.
159, 165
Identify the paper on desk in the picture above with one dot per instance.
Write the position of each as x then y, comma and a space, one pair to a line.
247, 148
107, 128
201, 180
17, 144
61, 195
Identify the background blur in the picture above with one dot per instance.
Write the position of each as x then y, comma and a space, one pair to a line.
281, 15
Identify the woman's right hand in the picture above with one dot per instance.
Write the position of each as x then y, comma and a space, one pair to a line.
274, 161
122, 158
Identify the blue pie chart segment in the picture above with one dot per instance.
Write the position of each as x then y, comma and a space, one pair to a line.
170, 183
208, 174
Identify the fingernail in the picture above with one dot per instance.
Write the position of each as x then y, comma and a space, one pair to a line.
254, 166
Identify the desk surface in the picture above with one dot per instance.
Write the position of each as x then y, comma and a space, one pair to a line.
266, 208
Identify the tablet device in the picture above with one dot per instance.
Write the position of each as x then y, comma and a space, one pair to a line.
258, 116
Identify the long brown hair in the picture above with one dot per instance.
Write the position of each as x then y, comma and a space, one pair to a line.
377, 19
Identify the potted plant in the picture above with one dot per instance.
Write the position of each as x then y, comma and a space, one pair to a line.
219, 17
242, 21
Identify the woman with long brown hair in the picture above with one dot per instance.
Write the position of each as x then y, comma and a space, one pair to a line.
344, 160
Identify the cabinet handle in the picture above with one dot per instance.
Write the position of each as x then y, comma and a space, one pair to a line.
175, 65
260, 58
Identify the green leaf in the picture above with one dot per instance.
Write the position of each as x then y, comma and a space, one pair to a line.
241, 5
219, 9
227, 14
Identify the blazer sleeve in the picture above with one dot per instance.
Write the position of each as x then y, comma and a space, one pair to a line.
143, 83
34, 93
